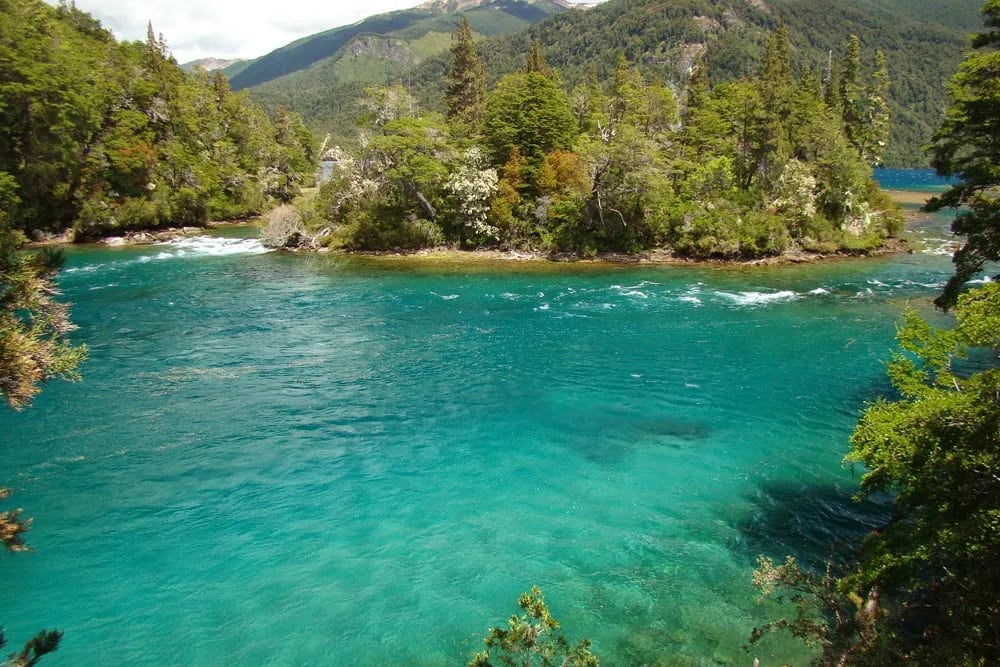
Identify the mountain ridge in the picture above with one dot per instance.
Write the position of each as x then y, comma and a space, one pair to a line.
411, 23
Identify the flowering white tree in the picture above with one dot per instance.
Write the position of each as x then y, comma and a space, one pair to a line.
474, 185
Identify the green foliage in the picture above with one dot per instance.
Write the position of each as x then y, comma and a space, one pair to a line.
107, 137
756, 168
33, 324
965, 147
938, 449
922, 48
528, 640
466, 93
531, 113
924, 588
840, 625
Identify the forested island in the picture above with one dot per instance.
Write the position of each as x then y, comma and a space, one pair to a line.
747, 169
102, 138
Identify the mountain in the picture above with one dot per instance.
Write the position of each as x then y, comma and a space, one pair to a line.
923, 41
210, 64
400, 39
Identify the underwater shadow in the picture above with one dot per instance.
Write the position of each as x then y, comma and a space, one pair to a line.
813, 523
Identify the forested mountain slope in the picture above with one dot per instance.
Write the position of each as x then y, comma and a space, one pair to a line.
392, 41
923, 43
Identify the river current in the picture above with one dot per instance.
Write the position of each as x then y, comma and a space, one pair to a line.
292, 460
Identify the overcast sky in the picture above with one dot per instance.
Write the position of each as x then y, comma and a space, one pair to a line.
230, 28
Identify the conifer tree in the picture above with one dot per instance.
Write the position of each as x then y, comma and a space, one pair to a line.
697, 87
778, 83
466, 92
536, 60
852, 92
966, 147
877, 113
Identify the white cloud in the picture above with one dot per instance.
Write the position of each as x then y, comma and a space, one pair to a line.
230, 28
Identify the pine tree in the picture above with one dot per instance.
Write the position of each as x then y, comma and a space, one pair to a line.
536, 60
877, 113
466, 92
966, 147
778, 85
852, 93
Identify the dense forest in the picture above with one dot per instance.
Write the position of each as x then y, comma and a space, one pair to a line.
923, 43
751, 168
104, 137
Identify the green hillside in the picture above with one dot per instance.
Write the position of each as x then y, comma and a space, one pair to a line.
490, 17
923, 44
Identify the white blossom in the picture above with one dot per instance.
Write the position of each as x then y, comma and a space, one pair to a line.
475, 186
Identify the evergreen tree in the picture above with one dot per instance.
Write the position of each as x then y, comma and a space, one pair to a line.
33, 324
852, 92
877, 113
529, 112
777, 83
466, 91
529, 639
536, 60
965, 147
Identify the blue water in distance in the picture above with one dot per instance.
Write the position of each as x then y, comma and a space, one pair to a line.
286, 460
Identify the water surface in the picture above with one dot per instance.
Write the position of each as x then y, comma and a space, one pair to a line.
281, 459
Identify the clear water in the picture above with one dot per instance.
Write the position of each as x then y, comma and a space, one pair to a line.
285, 460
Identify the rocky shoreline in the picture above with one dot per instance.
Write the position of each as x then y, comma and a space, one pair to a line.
653, 256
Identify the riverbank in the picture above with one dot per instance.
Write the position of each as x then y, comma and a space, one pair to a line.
655, 256
144, 237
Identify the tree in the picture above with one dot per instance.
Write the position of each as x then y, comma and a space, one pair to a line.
529, 112
852, 95
938, 448
466, 91
966, 147
528, 640
924, 588
536, 60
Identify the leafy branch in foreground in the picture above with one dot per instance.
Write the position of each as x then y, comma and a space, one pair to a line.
33, 349
12, 527
925, 587
528, 640
837, 623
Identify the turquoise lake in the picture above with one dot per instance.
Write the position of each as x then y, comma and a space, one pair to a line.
317, 460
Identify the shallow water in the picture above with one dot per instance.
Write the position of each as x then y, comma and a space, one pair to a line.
281, 459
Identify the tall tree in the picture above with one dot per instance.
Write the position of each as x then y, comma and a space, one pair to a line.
536, 60
967, 147
852, 95
466, 92
778, 84
529, 112
876, 135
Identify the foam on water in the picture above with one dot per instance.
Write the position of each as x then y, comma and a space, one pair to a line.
210, 246
753, 299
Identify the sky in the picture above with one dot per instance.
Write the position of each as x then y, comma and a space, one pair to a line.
230, 28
